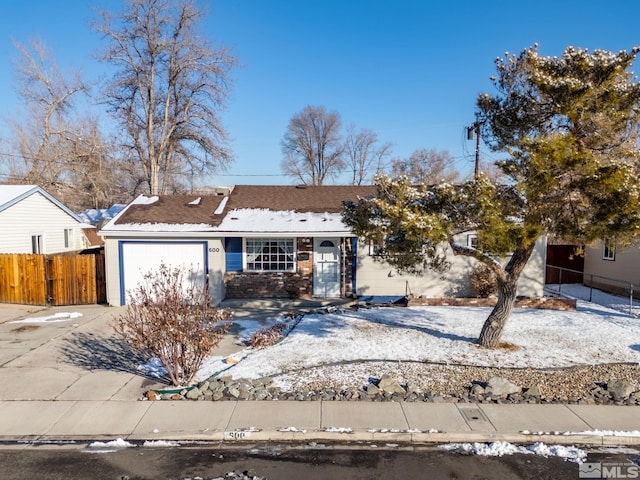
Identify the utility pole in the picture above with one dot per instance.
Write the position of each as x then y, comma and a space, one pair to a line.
475, 129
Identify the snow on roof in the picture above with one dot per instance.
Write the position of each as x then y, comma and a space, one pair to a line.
270, 221
221, 207
144, 200
11, 192
95, 215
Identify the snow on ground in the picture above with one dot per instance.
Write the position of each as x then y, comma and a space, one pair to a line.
57, 317
579, 291
593, 334
498, 449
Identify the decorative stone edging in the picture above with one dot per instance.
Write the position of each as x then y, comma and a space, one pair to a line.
386, 389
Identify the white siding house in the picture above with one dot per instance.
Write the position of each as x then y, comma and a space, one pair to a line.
33, 221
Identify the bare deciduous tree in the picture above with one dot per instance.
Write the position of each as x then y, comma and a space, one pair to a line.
54, 145
312, 146
169, 87
426, 167
365, 157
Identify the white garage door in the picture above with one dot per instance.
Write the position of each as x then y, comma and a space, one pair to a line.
139, 258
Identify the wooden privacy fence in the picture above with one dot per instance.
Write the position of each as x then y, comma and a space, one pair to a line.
66, 279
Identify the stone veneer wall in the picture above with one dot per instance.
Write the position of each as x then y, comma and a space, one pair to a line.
298, 284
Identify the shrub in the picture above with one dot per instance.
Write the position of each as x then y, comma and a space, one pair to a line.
267, 336
483, 281
173, 321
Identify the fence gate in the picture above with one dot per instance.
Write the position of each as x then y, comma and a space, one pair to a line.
73, 279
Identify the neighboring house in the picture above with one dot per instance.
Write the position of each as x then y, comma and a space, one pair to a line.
612, 269
268, 241
33, 221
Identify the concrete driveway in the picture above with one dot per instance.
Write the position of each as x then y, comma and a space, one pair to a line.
80, 357
69, 357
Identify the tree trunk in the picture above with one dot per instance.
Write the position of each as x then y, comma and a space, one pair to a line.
494, 324
507, 289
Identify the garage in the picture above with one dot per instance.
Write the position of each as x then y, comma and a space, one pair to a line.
140, 257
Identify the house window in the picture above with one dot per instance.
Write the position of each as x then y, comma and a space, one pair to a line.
608, 250
68, 238
269, 254
36, 243
472, 240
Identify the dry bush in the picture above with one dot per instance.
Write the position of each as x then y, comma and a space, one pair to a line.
483, 281
173, 322
267, 336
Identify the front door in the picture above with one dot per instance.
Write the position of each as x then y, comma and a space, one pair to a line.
326, 267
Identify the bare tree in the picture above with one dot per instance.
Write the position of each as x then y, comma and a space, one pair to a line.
99, 178
52, 142
426, 167
312, 146
365, 157
169, 87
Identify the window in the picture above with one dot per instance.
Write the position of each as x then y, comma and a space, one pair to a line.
269, 254
608, 250
68, 238
472, 240
36, 243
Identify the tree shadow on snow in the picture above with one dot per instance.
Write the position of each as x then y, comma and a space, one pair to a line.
97, 352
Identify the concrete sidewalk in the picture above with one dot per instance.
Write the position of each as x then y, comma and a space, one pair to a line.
75, 380
380, 422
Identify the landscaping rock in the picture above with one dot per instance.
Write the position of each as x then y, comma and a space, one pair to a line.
193, 394
389, 385
477, 389
620, 389
501, 387
533, 392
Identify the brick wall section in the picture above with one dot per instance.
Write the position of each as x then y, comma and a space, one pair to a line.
275, 284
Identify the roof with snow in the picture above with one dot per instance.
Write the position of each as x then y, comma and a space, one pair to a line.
97, 215
12, 194
248, 208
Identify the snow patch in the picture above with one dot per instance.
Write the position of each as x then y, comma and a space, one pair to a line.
57, 317
500, 448
160, 444
144, 200
108, 447
220, 209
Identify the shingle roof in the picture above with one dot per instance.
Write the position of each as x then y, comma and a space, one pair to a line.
173, 210
182, 209
315, 199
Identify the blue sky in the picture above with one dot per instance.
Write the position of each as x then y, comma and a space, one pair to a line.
408, 70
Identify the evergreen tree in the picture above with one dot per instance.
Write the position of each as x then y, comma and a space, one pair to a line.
569, 127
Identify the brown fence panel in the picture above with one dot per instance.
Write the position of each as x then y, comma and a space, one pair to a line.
563, 257
101, 277
23, 279
72, 279
66, 279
